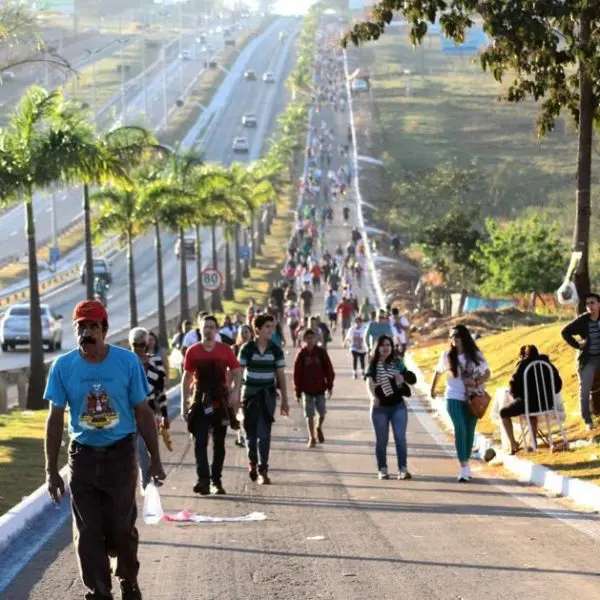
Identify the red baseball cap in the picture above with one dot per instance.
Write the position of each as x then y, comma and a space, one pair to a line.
90, 310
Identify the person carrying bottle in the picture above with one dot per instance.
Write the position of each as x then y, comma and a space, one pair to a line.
105, 388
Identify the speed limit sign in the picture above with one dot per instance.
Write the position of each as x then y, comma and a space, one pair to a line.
211, 279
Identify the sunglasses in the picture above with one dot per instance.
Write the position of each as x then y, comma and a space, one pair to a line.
142, 345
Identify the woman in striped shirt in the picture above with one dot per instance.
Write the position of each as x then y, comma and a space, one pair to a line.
387, 378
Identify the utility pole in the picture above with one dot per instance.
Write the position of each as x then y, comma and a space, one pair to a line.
145, 91
122, 70
180, 47
165, 99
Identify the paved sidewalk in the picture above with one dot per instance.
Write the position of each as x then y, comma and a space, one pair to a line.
424, 539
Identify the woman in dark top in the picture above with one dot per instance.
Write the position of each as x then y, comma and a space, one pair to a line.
527, 355
387, 378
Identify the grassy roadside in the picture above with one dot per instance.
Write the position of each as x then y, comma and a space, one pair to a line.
501, 351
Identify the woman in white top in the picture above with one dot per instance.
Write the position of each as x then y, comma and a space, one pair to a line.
464, 367
355, 338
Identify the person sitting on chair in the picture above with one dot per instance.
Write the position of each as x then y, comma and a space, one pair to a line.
527, 355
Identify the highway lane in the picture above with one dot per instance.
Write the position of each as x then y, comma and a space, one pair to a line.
257, 99
69, 201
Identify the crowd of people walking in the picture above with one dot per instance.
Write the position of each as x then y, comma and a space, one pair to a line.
233, 370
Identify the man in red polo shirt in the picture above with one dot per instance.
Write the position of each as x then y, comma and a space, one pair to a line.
216, 376
313, 381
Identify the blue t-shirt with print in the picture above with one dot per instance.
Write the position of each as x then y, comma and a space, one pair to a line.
101, 396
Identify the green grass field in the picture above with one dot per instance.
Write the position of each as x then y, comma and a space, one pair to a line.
447, 112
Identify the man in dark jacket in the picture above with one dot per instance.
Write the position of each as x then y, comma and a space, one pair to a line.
313, 382
587, 328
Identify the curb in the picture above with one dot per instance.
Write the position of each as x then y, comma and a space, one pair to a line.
582, 492
21, 515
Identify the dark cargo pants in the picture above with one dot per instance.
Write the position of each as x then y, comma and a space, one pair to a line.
103, 483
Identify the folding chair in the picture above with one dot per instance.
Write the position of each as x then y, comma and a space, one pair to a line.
540, 373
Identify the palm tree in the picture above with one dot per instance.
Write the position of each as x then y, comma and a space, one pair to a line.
123, 147
119, 212
46, 140
180, 171
162, 205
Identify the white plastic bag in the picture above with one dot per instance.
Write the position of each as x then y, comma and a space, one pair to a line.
153, 512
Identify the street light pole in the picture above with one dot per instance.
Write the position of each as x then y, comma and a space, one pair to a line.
54, 252
165, 99
122, 69
180, 47
145, 91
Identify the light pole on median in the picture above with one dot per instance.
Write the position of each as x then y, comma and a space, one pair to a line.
165, 98
54, 250
180, 47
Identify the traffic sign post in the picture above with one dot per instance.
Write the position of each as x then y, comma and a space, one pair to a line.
245, 253
212, 280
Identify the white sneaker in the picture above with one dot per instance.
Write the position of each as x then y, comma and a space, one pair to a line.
353, 374
383, 474
468, 472
463, 475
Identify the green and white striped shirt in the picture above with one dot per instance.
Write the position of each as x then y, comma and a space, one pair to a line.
259, 369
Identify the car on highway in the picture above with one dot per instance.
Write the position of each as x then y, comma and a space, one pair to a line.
250, 75
249, 120
7, 76
240, 144
189, 247
268, 77
15, 330
201, 39
101, 270
185, 55
230, 42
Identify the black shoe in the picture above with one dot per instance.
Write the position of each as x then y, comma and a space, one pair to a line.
130, 591
202, 488
216, 489
252, 472
404, 475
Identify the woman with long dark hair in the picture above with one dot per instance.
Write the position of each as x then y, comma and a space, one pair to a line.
387, 379
466, 369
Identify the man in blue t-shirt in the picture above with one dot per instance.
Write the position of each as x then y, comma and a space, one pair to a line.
105, 389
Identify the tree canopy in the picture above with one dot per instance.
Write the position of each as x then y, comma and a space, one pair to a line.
520, 257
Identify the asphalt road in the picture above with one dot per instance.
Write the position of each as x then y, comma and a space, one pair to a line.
333, 531
263, 99
68, 202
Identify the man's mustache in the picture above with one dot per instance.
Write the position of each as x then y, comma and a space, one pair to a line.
86, 339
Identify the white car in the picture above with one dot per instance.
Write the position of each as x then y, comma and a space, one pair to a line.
15, 331
185, 55
268, 77
249, 120
240, 144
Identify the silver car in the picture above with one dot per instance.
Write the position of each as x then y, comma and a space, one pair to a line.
14, 327
240, 144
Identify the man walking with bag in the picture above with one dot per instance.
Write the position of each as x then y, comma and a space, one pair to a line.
105, 388
313, 383
263, 362
210, 365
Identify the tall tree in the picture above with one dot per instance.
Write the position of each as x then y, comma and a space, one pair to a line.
119, 213
46, 140
549, 50
123, 148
